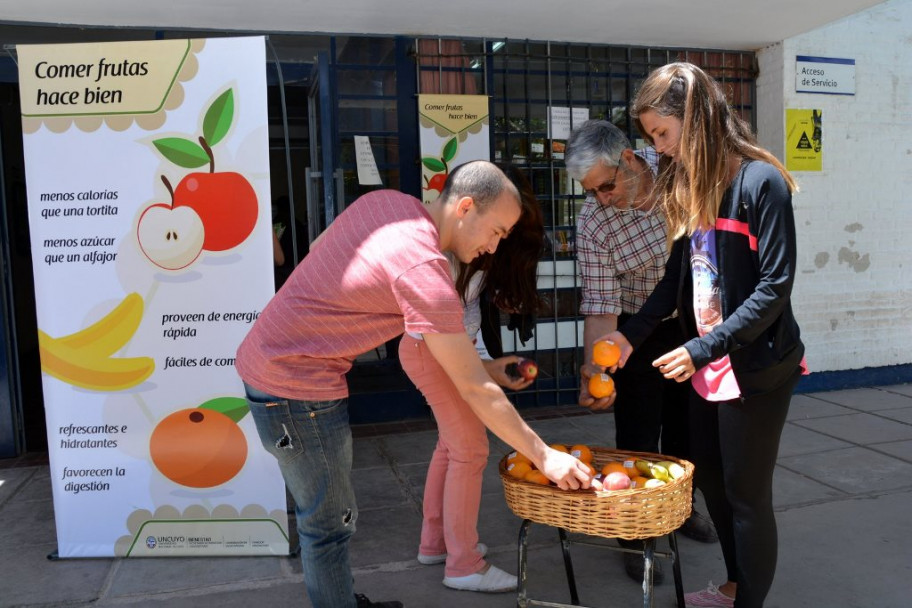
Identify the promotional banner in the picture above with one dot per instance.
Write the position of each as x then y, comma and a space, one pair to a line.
454, 129
149, 211
803, 140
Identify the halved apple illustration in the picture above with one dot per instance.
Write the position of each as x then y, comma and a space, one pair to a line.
171, 237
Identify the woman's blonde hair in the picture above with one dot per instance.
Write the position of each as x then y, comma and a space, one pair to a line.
692, 188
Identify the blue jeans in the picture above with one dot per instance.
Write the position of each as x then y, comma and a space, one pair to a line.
312, 442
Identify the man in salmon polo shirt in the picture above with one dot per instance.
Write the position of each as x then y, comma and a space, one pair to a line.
377, 271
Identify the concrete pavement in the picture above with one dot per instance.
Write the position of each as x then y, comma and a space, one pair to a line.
843, 494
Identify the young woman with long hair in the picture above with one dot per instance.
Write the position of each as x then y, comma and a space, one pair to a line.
729, 275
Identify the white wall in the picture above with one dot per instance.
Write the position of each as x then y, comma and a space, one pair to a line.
853, 295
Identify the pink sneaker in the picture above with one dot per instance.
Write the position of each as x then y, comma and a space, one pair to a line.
710, 597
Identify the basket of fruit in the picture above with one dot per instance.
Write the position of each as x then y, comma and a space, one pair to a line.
640, 494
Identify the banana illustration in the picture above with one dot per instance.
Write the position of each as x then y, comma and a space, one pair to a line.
105, 374
110, 333
84, 358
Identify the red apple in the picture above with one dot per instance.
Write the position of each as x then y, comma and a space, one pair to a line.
171, 237
227, 204
527, 368
617, 481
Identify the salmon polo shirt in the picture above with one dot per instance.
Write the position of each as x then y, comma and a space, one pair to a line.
377, 271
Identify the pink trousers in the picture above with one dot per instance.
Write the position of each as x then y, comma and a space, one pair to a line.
452, 492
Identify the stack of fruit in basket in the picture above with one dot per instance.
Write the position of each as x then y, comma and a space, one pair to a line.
629, 474
635, 474
519, 466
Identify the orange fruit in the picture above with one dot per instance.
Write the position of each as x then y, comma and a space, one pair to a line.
613, 467
630, 468
518, 457
600, 385
537, 477
560, 447
582, 452
198, 448
638, 482
518, 469
606, 353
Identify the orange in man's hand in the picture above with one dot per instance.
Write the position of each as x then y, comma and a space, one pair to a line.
600, 385
606, 353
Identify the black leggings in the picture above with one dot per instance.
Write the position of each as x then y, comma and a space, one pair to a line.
734, 445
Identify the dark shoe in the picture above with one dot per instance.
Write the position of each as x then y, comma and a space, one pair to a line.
700, 528
634, 565
363, 602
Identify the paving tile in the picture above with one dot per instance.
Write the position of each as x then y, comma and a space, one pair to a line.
900, 449
409, 447
791, 488
902, 389
855, 470
861, 429
389, 534
799, 440
12, 481
365, 454
29, 578
866, 399
377, 488
27, 523
142, 575
803, 407
901, 415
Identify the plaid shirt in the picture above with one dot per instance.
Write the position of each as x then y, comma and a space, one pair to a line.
620, 254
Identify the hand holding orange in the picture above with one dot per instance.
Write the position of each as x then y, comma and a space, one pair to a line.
600, 385
606, 353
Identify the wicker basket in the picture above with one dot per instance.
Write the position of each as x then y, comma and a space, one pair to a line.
630, 514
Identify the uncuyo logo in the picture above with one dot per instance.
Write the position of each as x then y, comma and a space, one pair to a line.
151, 542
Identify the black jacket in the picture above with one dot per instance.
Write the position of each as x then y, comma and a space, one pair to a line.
757, 257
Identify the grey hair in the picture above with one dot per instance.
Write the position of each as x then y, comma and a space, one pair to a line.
479, 179
593, 142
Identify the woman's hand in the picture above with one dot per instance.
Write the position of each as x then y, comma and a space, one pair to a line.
676, 365
497, 369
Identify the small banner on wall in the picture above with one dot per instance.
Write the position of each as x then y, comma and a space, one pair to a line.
804, 140
149, 210
454, 129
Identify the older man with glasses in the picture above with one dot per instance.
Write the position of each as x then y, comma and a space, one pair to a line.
621, 248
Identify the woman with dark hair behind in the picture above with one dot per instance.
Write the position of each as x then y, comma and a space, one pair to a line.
452, 492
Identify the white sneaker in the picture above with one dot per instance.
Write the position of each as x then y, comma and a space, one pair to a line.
433, 560
494, 580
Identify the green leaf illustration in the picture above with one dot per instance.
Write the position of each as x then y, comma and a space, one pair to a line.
182, 152
449, 150
433, 164
233, 407
218, 117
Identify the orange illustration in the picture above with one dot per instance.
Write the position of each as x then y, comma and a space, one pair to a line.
201, 447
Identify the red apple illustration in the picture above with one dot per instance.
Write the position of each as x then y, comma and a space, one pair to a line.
527, 368
225, 201
170, 237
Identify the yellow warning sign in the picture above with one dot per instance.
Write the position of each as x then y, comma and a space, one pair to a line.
804, 140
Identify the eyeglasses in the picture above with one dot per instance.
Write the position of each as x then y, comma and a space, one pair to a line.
606, 188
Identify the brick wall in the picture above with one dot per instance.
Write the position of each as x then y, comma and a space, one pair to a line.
853, 295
